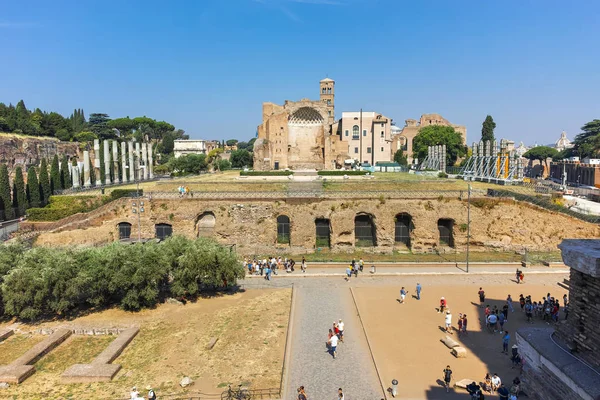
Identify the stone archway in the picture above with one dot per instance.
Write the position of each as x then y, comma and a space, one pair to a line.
205, 223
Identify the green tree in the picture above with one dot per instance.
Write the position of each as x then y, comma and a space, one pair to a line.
487, 130
587, 143
5, 197
55, 181
19, 194
65, 176
85, 136
33, 188
222, 165
45, 190
241, 159
231, 142
434, 135
400, 158
98, 124
541, 153
77, 120
189, 164
125, 126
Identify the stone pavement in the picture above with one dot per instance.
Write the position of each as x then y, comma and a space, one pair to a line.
311, 366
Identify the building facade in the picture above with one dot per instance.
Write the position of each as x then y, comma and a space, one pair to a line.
297, 134
367, 135
183, 147
404, 139
585, 173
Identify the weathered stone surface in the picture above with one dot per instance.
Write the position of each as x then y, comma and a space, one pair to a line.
84, 373
212, 343
463, 383
116, 347
15, 373
582, 255
6, 334
449, 342
186, 381
43, 348
550, 372
252, 225
459, 352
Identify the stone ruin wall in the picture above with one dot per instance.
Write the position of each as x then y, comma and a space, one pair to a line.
251, 225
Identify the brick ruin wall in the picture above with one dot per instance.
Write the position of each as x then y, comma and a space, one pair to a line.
581, 329
252, 225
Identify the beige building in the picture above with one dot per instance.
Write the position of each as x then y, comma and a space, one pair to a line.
297, 134
183, 147
367, 134
404, 139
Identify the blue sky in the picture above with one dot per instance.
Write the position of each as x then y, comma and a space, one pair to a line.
207, 65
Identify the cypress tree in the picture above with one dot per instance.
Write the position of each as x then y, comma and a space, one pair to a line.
45, 191
19, 195
33, 188
5, 194
92, 172
102, 171
65, 177
55, 183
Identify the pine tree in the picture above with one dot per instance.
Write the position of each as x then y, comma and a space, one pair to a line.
65, 176
5, 198
33, 188
44, 183
55, 183
19, 195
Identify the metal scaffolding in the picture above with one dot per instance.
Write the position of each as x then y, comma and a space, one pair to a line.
490, 163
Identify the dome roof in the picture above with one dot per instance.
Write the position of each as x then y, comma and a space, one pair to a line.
306, 115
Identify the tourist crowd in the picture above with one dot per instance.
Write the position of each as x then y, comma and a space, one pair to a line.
271, 265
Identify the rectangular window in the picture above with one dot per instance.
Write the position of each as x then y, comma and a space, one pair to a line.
382, 124
347, 132
364, 132
382, 134
368, 150
328, 102
356, 150
382, 149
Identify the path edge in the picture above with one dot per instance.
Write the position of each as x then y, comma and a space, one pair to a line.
383, 391
283, 388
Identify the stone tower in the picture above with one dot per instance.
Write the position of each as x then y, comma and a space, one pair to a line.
327, 96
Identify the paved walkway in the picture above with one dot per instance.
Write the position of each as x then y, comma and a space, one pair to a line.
311, 365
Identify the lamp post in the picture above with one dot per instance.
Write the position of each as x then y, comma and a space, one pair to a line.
468, 222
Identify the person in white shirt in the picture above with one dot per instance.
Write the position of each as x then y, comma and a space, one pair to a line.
333, 341
134, 393
341, 329
448, 322
493, 322
495, 382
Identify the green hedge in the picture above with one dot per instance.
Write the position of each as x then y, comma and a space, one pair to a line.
63, 206
54, 282
118, 193
342, 173
266, 173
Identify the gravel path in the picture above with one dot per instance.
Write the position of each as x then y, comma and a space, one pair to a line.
311, 365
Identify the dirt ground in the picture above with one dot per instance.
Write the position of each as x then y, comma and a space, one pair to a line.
405, 338
250, 327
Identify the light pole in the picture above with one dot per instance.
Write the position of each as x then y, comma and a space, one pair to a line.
468, 222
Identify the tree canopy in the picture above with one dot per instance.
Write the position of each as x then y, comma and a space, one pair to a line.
400, 158
434, 135
541, 153
241, 158
587, 143
487, 130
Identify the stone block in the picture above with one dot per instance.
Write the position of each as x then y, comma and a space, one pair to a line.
43, 348
463, 383
459, 352
449, 342
116, 347
212, 343
15, 373
85, 373
5, 334
582, 255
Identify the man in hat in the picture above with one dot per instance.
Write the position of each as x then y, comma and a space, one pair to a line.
448, 322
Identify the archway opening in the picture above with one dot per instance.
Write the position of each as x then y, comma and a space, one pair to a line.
163, 231
446, 230
206, 223
364, 231
283, 229
403, 229
323, 232
124, 230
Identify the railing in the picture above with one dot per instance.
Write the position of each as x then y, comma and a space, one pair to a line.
255, 394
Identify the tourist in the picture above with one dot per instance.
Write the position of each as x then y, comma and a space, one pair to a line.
355, 271
134, 394
341, 330
529, 312
565, 301
402, 295
361, 264
301, 393
501, 320
303, 265
348, 272
505, 312
464, 324
268, 273
474, 389
495, 382
447, 377
481, 294
448, 322
516, 387
487, 383
333, 341
460, 322
151, 394
521, 276
418, 291
503, 392
505, 340
336, 329
443, 305
492, 322
518, 276
521, 301
516, 358
509, 302
340, 394
329, 337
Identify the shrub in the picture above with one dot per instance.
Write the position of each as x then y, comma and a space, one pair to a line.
341, 173
442, 175
63, 206
118, 193
266, 173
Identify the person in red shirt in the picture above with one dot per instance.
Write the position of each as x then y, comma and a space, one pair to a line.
443, 304
464, 324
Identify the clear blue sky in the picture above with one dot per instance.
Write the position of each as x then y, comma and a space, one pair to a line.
207, 65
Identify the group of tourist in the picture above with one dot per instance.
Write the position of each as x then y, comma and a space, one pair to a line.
270, 265
183, 190
354, 268
547, 309
336, 334
135, 394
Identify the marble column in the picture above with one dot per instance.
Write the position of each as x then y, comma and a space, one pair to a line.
74, 175
106, 163
131, 164
124, 162
115, 156
86, 169
443, 160
150, 162
145, 160
97, 162
137, 160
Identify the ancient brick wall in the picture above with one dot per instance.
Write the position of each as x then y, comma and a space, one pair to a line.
252, 225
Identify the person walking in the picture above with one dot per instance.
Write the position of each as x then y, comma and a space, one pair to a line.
481, 294
361, 264
341, 330
464, 324
333, 342
418, 291
402, 295
340, 394
459, 322
447, 377
348, 272
448, 322
303, 265
443, 305
301, 393
509, 302
502, 392
505, 341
